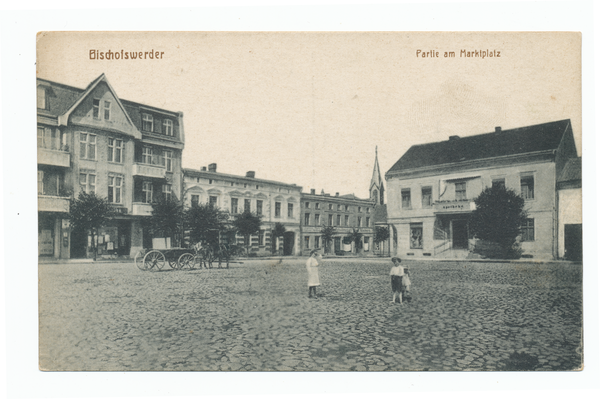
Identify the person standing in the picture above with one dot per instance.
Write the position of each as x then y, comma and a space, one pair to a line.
397, 273
312, 266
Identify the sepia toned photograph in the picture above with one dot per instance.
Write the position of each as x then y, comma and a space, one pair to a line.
309, 201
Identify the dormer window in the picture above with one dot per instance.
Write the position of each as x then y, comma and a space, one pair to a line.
168, 127
41, 98
147, 122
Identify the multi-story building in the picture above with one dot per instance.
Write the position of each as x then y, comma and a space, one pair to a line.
431, 188
344, 212
89, 140
274, 201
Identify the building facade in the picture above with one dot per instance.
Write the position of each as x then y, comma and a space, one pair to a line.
570, 217
343, 212
432, 187
274, 201
90, 140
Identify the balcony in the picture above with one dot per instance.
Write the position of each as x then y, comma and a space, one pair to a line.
462, 206
142, 209
48, 203
54, 157
146, 170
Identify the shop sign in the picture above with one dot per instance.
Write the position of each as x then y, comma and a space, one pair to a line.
454, 207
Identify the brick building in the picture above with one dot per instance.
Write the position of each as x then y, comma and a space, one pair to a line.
344, 212
432, 186
275, 202
91, 140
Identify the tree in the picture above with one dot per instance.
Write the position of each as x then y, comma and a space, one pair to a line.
167, 217
205, 222
246, 224
327, 234
381, 234
87, 214
355, 237
278, 231
497, 220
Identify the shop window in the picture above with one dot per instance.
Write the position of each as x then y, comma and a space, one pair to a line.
234, 206
527, 187
416, 235
426, 200
528, 230
278, 209
405, 193
460, 191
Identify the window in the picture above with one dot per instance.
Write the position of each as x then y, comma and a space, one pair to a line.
234, 205
307, 242
147, 192
278, 209
212, 200
166, 190
330, 220
317, 205
147, 155
41, 97
416, 235
261, 238
169, 160
360, 209
307, 219
259, 205
346, 218
339, 220
359, 221
106, 110
339, 207
317, 219
367, 222
330, 207
257, 186
87, 146
115, 185
426, 197
96, 108
346, 208
290, 210
246, 205
195, 200
528, 230
168, 127
115, 150
48, 138
368, 210
307, 205
405, 193
147, 122
498, 183
527, 187
87, 182
317, 242
40, 182
460, 191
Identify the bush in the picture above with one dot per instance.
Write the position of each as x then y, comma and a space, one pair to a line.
493, 250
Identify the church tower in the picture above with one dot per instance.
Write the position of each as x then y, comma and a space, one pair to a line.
376, 189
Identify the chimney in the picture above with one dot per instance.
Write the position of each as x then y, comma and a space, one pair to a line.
250, 173
337, 194
312, 191
322, 192
454, 138
212, 167
498, 129
204, 168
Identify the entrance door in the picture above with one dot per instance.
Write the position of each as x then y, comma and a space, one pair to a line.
337, 244
573, 244
288, 243
124, 238
460, 234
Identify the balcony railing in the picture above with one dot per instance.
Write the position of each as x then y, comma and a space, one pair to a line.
146, 170
48, 203
142, 209
54, 157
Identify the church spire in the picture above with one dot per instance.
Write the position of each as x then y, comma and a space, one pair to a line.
376, 187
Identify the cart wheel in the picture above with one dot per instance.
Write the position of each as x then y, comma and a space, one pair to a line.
153, 259
139, 260
173, 263
185, 260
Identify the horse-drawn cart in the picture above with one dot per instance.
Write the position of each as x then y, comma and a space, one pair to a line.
190, 258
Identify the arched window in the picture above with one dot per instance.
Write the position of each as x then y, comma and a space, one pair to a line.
375, 196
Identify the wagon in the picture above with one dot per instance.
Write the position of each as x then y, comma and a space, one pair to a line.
176, 258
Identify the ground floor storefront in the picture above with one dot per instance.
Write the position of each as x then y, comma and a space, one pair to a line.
53, 235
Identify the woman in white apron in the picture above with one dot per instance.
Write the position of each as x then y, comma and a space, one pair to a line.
312, 266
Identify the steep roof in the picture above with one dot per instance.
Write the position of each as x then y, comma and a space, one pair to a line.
571, 171
536, 138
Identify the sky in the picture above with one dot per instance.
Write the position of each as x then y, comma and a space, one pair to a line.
310, 108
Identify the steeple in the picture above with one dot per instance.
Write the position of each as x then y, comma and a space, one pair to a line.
376, 187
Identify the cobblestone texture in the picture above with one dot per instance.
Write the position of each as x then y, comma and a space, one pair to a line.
257, 316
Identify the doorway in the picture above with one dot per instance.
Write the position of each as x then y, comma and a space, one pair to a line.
337, 244
460, 234
573, 242
288, 243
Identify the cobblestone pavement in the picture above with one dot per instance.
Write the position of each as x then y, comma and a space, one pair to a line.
257, 316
